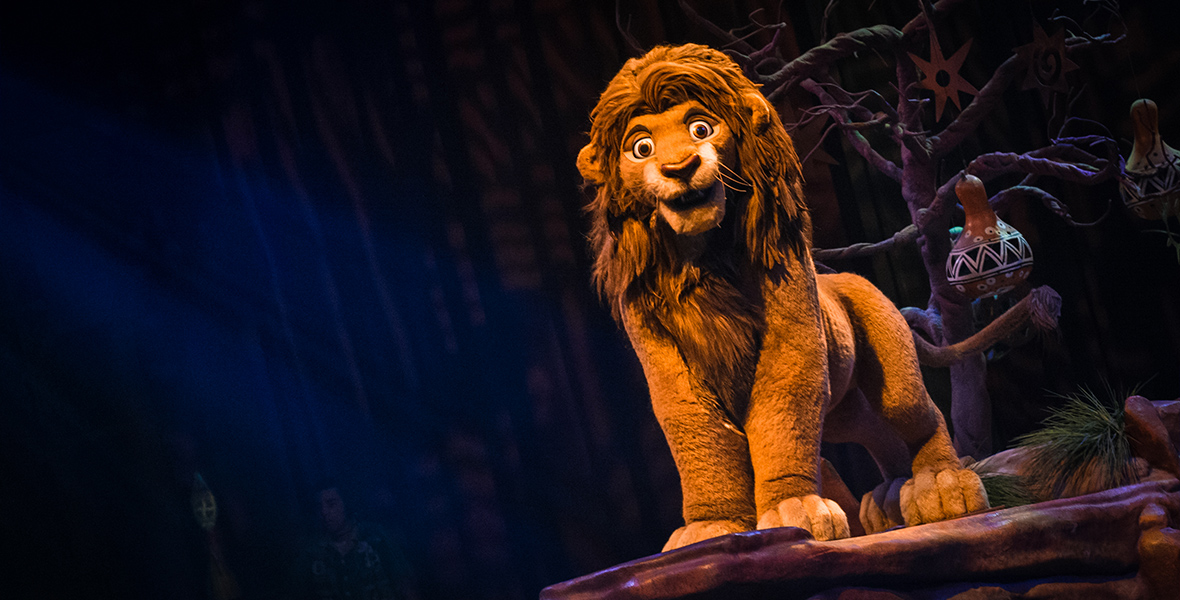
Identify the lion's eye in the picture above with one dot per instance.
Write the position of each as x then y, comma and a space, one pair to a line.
700, 129
643, 147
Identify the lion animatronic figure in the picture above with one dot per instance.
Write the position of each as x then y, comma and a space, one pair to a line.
703, 251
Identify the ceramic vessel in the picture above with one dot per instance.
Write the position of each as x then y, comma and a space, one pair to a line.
990, 257
1152, 185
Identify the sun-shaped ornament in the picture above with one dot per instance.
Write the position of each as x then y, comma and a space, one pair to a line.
1047, 63
941, 75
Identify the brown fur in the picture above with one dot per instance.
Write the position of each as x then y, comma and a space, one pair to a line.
744, 349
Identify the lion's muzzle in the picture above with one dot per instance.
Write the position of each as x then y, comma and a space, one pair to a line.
695, 211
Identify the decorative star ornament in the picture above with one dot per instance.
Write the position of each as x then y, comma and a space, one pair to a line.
941, 75
1047, 63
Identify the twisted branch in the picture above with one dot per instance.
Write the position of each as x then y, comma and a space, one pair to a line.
907, 235
1079, 166
816, 61
858, 141
920, 23
1004, 198
992, 165
731, 40
1039, 309
927, 321
983, 104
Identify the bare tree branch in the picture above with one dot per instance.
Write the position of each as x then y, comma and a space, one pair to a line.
909, 109
816, 61
992, 165
1083, 39
1062, 161
920, 23
907, 235
731, 41
859, 142
1006, 197
1039, 309
983, 104
927, 321
626, 31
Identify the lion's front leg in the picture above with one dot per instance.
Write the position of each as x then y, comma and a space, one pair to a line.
785, 417
699, 531
821, 516
711, 454
714, 466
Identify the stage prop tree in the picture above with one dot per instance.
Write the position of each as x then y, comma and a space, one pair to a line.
987, 259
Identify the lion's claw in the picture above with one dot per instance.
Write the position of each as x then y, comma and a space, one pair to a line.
821, 516
936, 496
698, 531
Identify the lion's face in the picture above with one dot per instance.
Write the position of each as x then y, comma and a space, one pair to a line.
674, 159
679, 138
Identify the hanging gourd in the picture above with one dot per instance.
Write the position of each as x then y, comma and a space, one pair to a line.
990, 257
1151, 188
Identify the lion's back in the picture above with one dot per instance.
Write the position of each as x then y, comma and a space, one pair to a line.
865, 314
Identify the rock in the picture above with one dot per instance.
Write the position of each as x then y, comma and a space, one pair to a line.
1149, 437
1169, 412
1159, 561
1008, 462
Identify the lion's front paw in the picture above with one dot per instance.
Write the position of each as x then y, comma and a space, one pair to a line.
821, 516
880, 509
698, 531
936, 496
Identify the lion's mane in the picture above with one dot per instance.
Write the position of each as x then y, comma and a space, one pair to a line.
711, 305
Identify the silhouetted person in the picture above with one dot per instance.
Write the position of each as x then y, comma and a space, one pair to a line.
351, 560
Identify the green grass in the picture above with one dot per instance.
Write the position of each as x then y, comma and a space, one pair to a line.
1084, 431
1006, 490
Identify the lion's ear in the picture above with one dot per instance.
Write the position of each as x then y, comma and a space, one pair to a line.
759, 111
589, 166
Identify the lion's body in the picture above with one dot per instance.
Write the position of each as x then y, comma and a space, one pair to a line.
751, 359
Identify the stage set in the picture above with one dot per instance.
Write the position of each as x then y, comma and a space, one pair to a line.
828, 299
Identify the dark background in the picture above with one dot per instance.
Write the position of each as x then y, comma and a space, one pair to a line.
273, 242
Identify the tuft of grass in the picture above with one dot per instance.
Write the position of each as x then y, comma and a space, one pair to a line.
1007, 490
1082, 441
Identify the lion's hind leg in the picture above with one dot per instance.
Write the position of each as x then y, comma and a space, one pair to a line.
854, 420
880, 509
887, 373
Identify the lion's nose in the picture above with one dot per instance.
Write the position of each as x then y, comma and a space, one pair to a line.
683, 169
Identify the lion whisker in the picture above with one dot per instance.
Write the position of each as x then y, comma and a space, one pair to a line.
734, 188
731, 180
732, 174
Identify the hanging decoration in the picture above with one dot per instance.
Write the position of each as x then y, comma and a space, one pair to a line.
990, 257
1151, 188
941, 75
1047, 63
204, 504
222, 584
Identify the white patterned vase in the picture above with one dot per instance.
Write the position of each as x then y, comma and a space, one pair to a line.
1151, 188
990, 257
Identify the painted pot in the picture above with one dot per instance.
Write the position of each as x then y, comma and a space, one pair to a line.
990, 257
1151, 187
